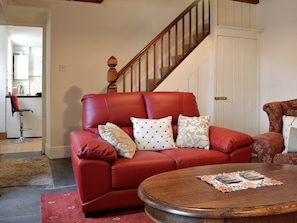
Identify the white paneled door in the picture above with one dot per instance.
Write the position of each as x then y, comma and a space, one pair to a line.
236, 101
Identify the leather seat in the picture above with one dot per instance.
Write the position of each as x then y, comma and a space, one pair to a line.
16, 108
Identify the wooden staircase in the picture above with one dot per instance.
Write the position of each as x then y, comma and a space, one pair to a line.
164, 53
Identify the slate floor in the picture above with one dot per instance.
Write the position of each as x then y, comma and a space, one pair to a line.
22, 204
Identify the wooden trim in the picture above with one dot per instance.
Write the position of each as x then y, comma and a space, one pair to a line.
93, 1
150, 53
3, 135
248, 1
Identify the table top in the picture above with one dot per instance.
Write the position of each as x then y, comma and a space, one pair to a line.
181, 192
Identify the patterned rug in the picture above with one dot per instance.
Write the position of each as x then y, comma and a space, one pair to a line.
28, 171
65, 207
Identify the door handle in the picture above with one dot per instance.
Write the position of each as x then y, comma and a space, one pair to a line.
220, 98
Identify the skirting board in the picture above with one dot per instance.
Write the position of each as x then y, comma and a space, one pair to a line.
57, 152
3, 135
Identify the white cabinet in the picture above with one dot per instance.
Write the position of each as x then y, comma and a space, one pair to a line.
30, 120
35, 62
21, 66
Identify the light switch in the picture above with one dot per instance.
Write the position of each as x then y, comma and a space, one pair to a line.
62, 68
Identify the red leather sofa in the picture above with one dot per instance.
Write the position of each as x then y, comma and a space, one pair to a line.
105, 180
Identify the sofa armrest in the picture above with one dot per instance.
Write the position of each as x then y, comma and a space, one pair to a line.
88, 145
227, 140
266, 145
92, 177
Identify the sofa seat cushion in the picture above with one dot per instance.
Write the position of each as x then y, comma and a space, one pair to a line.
287, 158
129, 173
189, 157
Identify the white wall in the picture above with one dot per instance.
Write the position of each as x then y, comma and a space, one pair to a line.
82, 45
278, 69
3, 45
4, 62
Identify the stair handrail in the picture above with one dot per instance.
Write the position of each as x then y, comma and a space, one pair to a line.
113, 75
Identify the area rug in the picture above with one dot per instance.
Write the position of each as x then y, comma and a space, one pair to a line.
65, 208
28, 171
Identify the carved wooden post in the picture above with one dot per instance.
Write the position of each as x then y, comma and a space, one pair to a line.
112, 74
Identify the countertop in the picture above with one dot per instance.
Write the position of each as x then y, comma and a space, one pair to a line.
26, 96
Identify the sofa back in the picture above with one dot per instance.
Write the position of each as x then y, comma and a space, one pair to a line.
98, 109
275, 112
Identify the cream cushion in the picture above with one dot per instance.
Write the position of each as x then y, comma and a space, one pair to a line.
153, 134
119, 139
292, 142
193, 132
288, 122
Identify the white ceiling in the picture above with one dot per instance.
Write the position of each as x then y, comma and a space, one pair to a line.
26, 36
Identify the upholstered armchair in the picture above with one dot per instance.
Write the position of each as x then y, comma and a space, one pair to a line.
270, 146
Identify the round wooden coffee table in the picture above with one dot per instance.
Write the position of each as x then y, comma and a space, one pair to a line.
179, 196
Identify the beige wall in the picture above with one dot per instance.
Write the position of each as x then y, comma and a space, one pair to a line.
88, 34
81, 37
3, 8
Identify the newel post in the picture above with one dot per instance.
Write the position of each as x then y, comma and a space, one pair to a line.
112, 74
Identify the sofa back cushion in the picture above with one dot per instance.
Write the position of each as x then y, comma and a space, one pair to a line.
117, 108
290, 107
276, 110
163, 104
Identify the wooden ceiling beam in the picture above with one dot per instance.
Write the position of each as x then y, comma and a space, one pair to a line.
248, 1
93, 1
100, 1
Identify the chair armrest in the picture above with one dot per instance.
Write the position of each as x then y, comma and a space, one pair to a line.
266, 145
275, 113
88, 145
227, 140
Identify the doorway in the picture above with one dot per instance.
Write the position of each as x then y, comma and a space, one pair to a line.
28, 42
237, 81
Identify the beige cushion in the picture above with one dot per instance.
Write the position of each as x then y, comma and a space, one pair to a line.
288, 122
193, 132
153, 134
292, 142
122, 142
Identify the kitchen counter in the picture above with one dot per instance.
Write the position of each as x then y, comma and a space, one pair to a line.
26, 96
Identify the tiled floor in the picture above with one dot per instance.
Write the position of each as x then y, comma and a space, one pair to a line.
8, 146
22, 204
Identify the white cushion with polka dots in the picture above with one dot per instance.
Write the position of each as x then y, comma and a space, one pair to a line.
153, 134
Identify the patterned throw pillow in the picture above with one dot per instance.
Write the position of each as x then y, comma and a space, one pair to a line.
153, 134
193, 132
288, 122
119, 139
